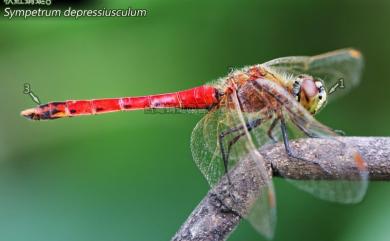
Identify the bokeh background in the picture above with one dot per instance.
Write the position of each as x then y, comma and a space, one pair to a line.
130, 176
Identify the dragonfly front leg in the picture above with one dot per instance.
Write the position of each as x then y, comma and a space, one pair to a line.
285, 141
225, 153
288, 148
306, 132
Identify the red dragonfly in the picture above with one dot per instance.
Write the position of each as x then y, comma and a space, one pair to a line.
251, 107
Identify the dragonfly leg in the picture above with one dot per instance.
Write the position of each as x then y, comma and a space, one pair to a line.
250, 127
288, 148
225, 153
313, 135
306, 132
271, 128
286, 142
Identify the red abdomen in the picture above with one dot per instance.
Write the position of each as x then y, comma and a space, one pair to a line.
202, 97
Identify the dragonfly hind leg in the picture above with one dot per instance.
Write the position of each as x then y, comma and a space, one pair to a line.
225, 153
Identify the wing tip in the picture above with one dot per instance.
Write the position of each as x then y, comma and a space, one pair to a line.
355, 53
360, 162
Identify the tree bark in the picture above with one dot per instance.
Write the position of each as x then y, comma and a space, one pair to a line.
213, 220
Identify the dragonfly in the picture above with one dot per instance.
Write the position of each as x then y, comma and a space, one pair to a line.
250, 107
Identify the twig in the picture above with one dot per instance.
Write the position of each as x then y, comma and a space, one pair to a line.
213, 220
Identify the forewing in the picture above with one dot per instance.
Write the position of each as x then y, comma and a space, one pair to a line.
342, 66
344, 182
207, 155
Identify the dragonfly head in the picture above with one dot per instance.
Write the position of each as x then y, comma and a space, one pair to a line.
309, 92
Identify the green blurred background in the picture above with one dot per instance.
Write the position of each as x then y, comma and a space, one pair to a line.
130, 176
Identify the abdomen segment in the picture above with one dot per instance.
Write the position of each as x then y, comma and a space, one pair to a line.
202, 97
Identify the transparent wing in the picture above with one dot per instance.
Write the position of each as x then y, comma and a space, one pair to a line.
332, 183
342, 66
229, 120
205, 147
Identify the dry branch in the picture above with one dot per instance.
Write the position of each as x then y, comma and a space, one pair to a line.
213, 220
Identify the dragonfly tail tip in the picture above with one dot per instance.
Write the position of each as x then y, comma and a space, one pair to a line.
30, 114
